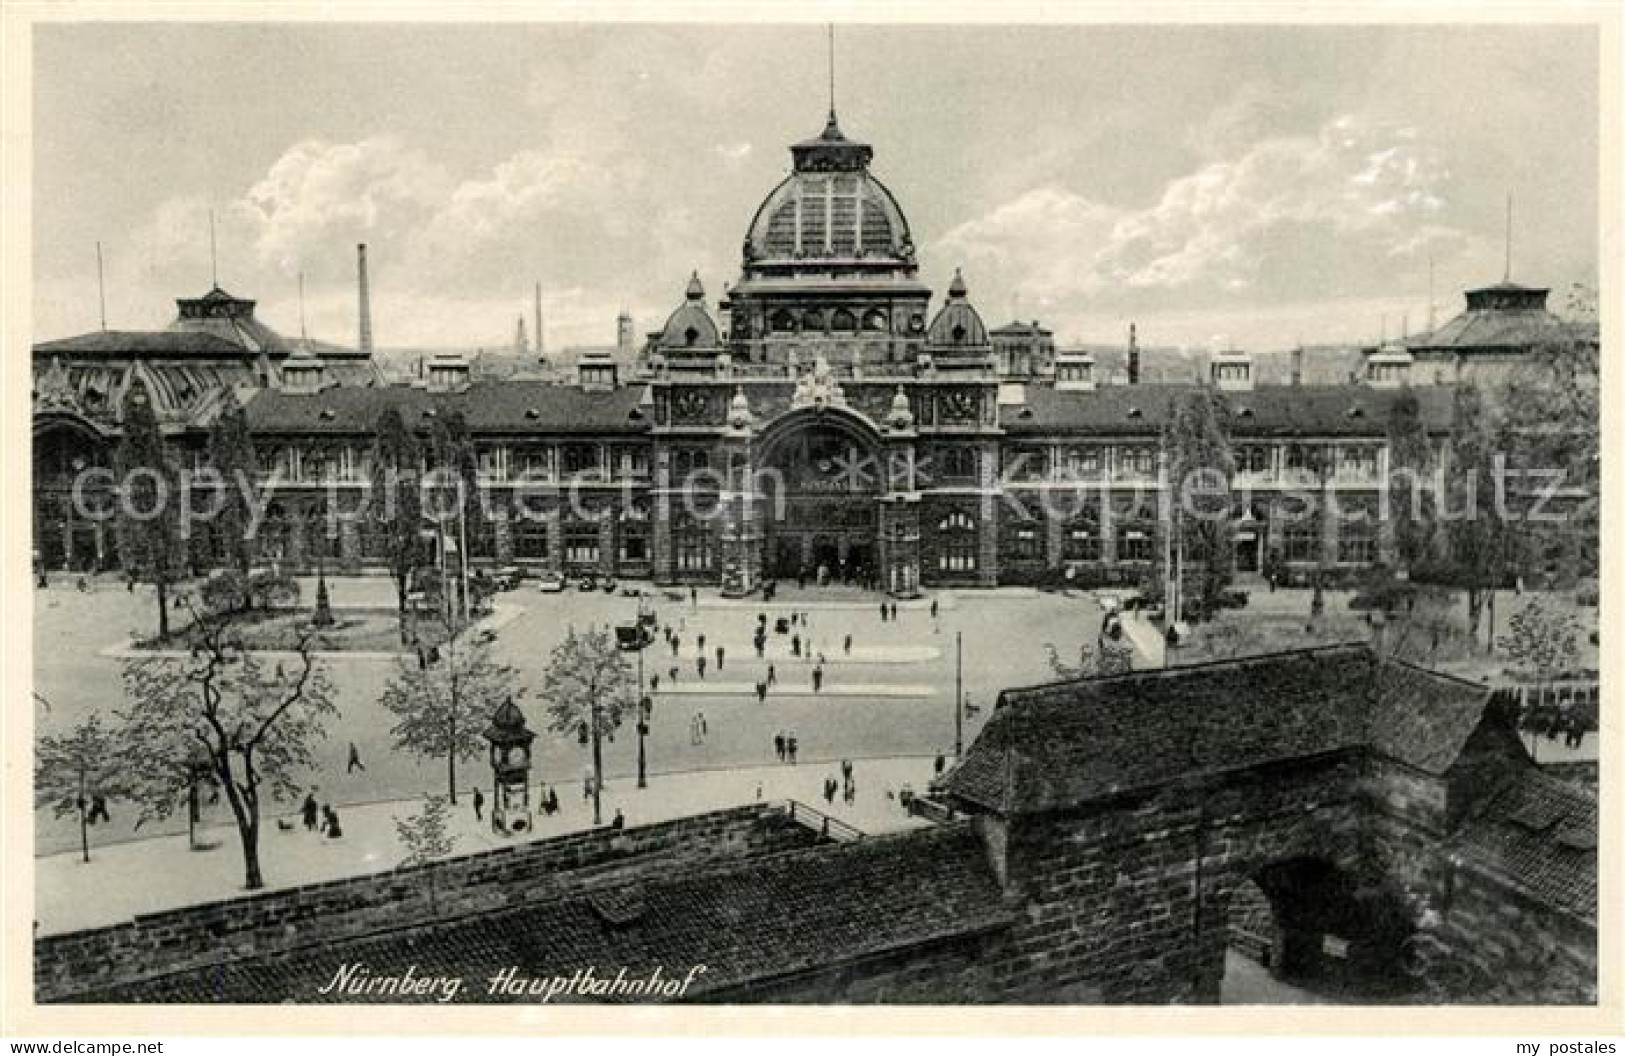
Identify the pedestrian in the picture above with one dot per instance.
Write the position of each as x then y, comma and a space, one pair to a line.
790, 746
719, 657
761, 692
98, 809
883, 612
676, 644
795, 619
846, 770
671, 674
552, 800
618, 822
846, 645
84, 585
330, 822
704, 729
308, 811
694, 729
758, 791
818, 679
940, 764
699, 664
850, 793
694, 597
778, 745
479, 804
654, 682
355, 761
933, 608
772, 675
761, 647
586, 784
699, 644
795, 645
761, 619
829, 790
129, 582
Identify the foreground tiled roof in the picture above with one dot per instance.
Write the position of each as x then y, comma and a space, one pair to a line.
1065, 744
747, 921
1540, 834
142, 342
1276, 410
509, 406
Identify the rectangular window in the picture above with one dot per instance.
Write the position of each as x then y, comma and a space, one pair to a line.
1134, 543
1027, 544
1303, 542
580, 459
581, 544
529, 536
1136, 463
1083, 463
1357, 545
1081, 544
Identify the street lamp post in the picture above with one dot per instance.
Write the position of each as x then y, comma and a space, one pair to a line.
959, 694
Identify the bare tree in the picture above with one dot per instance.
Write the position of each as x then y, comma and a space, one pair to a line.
72, 769
251, 725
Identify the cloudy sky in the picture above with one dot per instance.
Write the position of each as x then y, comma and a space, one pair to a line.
1269, 185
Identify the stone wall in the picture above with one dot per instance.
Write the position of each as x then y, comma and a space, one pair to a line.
161, 942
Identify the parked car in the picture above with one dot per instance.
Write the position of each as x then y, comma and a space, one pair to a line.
588, 582
608, 586
508, 577
551, 582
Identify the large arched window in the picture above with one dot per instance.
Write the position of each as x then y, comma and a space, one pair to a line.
691, 543
875, 321
956, 543
843, 321
784, 321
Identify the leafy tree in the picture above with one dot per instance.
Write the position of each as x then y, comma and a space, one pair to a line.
456, 483
397, 502
70, 769
230, 591
1410, 461
589, 688
1476, 532
232, 456
1200, 468
1542, 641
1551, 437
254, 726
148, 523
424, 834
441, 707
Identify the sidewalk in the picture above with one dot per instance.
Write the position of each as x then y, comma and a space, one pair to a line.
692, 686
145, 876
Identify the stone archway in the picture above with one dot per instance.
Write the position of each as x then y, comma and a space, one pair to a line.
1315, 925
73, 531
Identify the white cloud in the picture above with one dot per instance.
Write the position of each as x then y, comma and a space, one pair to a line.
1338, 204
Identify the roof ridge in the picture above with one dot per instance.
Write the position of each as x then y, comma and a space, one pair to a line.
1151, 674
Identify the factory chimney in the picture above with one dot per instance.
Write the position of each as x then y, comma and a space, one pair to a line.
365, 337
1133, 356
1297, 365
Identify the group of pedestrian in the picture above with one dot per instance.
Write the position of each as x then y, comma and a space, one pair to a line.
785, 745
329, 818
847, 786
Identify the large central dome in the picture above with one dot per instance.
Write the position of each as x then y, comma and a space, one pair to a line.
830, 209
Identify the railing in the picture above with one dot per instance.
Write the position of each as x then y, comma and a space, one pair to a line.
816, 820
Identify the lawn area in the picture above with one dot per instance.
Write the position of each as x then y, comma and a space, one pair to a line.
354, 630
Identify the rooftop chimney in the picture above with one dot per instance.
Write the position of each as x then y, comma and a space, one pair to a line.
521, 344
365, 339
1133, 356
1297, 365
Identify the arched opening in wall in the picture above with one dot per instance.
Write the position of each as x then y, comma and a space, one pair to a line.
1304, 930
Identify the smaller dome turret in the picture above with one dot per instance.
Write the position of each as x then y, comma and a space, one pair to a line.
739, 413
957, 325
901, 416
691, 326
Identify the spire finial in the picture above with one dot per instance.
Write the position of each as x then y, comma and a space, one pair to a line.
304, 338
832, 72
101, 285
214, 267
1508, 276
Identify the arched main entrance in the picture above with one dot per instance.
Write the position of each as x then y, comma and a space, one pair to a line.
73, 533
1324, 929
821, 479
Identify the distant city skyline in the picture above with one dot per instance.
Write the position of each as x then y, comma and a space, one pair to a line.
1257, 186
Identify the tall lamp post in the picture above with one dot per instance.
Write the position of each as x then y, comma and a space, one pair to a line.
959, 694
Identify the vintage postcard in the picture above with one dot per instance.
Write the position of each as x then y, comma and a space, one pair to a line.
687, 510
